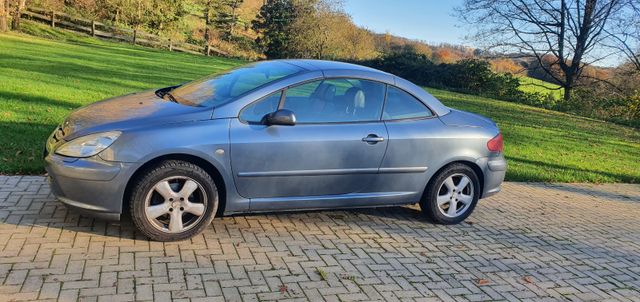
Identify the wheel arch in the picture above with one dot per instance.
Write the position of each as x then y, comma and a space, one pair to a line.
209, 167
465, 162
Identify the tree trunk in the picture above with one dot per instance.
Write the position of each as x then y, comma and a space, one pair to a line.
568, 85
135, 35
207, 33
3, 16
567, 93
232, 24
15, 22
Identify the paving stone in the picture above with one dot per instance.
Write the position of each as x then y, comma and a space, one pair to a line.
532, 241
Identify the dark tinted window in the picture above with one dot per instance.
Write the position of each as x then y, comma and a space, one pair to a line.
401, 105
220, 88
336, 100
256, 111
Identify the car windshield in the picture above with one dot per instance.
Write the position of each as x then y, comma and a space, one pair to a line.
217, 89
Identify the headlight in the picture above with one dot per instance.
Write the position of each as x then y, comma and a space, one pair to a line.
89, 145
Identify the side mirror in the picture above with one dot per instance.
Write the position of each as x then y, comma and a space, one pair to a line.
281, 117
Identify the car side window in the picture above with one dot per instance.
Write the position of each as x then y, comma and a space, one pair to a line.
256, 111
335, 101
401, 105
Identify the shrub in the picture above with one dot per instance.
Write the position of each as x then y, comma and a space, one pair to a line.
617, 109
469, 75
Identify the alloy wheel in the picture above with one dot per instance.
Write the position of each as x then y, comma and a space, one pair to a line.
175, 204
455, 195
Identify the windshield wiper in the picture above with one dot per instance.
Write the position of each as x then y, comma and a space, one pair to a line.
171, 97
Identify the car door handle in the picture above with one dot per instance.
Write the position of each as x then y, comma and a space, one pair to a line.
372, 139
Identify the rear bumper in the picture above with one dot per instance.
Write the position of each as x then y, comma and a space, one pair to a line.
494, 169
90, 186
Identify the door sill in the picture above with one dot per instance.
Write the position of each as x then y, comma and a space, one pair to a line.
348, 200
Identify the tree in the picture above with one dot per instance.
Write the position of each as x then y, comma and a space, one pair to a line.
626, 34
164, 16
317, 29
208, 10
3, 15
273, 25
574, 33
227, 16
505, 66
322, 30
360, 44
17, 13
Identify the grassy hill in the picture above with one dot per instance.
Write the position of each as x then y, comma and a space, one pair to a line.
528, 84
42, 80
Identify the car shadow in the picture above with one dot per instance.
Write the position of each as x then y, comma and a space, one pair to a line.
597, 191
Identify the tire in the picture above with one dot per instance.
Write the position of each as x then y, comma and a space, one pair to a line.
439, 189
182, 195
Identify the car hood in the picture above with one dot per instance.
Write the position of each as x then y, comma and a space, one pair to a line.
129, 111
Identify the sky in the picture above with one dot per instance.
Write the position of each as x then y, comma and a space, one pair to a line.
426, 20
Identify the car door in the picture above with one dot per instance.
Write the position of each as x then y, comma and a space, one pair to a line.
415, 135
335, 147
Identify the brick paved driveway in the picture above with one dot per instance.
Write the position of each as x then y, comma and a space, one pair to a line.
551, 242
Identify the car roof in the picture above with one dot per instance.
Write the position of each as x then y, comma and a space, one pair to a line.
333, 68
322, 65
342, 69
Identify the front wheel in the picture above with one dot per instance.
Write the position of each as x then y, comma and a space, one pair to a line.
452, 195
174, 200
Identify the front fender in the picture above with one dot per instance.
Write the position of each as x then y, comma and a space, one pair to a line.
197, 138
207, 140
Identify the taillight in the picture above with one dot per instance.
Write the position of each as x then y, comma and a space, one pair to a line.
496, 144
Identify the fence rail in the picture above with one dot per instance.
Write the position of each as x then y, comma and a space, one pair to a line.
101, 30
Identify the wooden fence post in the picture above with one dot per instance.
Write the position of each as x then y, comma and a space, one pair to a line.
93, 28
170, 45
135, 34
53, 18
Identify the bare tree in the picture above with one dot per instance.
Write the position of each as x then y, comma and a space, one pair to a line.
625, 34
575, 33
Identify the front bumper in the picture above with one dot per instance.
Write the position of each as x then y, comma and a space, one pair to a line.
494, 169
90, 186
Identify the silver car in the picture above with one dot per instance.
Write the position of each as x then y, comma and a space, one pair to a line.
273, 136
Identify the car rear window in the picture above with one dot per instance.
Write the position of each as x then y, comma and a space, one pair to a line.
217, 89
401, 105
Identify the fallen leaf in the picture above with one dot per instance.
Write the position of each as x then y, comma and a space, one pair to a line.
482, 282
527, 279
283, 289
469, 222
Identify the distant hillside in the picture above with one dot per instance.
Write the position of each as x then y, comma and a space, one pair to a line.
449, 53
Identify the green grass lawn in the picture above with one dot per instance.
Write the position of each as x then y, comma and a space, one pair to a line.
42, 80
528, 84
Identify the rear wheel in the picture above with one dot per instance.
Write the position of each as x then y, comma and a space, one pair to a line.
452, 195
175, 200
